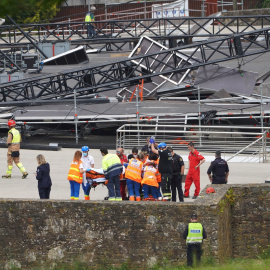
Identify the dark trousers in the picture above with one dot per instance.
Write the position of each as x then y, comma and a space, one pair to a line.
90, 30
219, 180
166, 179
150, 189
177, 184
194, 253
44, 193
114, 187
123, 184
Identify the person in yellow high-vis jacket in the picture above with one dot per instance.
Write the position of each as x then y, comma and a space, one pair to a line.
194, 235
89, 19
13, 154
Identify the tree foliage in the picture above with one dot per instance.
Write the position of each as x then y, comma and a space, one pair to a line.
26, 11
264, 4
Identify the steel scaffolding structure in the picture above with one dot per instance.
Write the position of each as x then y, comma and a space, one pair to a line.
182, 26
172, 62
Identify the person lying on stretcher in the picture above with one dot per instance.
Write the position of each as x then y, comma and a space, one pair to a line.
96, 177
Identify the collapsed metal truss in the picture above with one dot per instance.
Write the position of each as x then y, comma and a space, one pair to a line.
123, 73
183, 26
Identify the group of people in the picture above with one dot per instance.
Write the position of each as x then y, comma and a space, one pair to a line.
154, 173
154, 169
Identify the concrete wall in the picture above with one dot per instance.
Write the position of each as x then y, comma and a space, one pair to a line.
105, 233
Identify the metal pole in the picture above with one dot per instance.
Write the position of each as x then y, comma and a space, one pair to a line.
106, 12
137, 114
263, 137
75, 117
89, 3
203, 8
26, 36
261, 108
144, 9
199, 103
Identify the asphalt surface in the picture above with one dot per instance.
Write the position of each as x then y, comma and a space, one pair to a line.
16, 187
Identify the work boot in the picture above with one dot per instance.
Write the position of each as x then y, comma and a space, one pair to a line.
138, 199
24, 175
194, 197
186, 196
6, 176
131, 198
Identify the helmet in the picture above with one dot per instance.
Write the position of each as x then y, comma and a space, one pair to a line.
85, 148
11, 123
162, 145
210, 190
92, 8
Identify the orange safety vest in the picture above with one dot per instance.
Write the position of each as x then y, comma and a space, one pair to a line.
74, 172
134, 170
158, 174
149, 177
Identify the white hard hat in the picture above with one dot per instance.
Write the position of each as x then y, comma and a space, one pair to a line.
92, 8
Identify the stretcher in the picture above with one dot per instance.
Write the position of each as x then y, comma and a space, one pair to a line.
96, 177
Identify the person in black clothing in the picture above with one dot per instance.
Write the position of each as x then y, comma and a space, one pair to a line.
43, 177
178, 168
134, 153
218, 171
194, 235
147, 147
164, 167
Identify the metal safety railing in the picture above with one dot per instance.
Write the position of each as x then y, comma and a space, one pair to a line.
235, 140
182, 26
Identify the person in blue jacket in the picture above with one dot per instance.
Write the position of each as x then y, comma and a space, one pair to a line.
43, 177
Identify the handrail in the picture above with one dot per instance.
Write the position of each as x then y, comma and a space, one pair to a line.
212, 137
242, 150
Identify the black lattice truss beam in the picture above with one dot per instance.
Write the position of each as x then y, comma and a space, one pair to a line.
128, 72
219, 26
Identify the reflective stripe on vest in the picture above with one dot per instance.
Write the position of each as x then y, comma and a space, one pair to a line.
74, 172
158, 174
149, 177
16, 137
134, 170
195, 233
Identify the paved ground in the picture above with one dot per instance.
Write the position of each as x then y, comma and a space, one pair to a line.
240, 173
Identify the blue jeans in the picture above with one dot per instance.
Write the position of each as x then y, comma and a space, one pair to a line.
90, 30
158, 191
86, 188
133, 188
114, 188
74, 190
153, 190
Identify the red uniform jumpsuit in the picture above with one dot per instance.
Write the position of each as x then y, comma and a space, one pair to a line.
123, 183
193, 173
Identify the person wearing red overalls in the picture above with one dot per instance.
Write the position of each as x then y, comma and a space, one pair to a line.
123, 159
195, 161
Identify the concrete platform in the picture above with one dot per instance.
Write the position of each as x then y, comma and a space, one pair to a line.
16, 187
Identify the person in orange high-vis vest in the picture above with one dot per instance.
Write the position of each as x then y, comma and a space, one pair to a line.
133, 175
75, 175
154, 158
149, 181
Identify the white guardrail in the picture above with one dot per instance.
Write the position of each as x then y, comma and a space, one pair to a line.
235, 140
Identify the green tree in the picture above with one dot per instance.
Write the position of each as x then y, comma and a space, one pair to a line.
264, 4
26, 11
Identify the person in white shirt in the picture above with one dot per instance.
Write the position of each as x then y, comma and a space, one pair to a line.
88, 163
